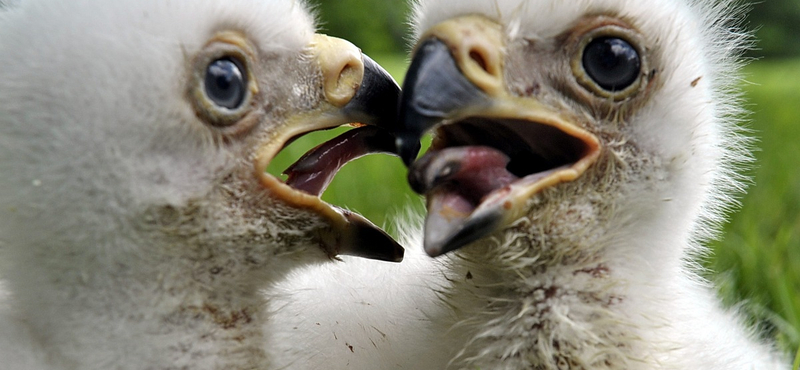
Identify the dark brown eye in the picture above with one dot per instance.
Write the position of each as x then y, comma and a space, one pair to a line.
612, 63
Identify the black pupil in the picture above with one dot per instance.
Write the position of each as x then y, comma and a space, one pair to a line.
225, 83
612, 63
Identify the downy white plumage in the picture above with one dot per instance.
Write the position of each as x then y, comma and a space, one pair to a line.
137, 225
620, 122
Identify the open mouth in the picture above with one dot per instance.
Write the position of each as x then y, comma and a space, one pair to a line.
480, 172
308, 177
473, 158
314, 171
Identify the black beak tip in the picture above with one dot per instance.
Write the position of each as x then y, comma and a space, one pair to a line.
373, 243
408, 146
366, 240
437, 249
440, 241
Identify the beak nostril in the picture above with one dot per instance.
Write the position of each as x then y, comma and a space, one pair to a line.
349, 79
346, 82
348, 70
478, 58
482, 65
342, 68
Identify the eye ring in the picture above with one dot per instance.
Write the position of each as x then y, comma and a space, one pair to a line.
609, 63
223, 86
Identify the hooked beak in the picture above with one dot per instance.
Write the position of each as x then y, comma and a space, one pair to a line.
492, 151
436, 91
356, 91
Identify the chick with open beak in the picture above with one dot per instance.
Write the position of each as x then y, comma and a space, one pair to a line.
492, 150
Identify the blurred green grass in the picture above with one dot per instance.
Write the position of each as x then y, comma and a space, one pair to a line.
758, 258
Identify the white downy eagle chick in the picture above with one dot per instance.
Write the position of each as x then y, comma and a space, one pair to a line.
583, 154
137, 224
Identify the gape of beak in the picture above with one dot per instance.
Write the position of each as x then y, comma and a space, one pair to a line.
374, 108
357, 92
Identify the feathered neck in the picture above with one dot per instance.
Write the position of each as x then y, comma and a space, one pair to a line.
539, 309
166, 291
563, 288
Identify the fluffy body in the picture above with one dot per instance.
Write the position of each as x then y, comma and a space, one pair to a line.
602, 272
133, 234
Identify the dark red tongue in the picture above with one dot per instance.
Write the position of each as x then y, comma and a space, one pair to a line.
468, 172
314, 170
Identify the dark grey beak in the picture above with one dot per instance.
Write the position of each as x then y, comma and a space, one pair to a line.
434, 90
364, 239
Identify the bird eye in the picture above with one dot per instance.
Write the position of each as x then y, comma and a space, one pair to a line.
611, 62
222, 87
226, 83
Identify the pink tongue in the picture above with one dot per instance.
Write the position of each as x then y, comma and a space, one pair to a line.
456, 181
469, 172
314, 171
